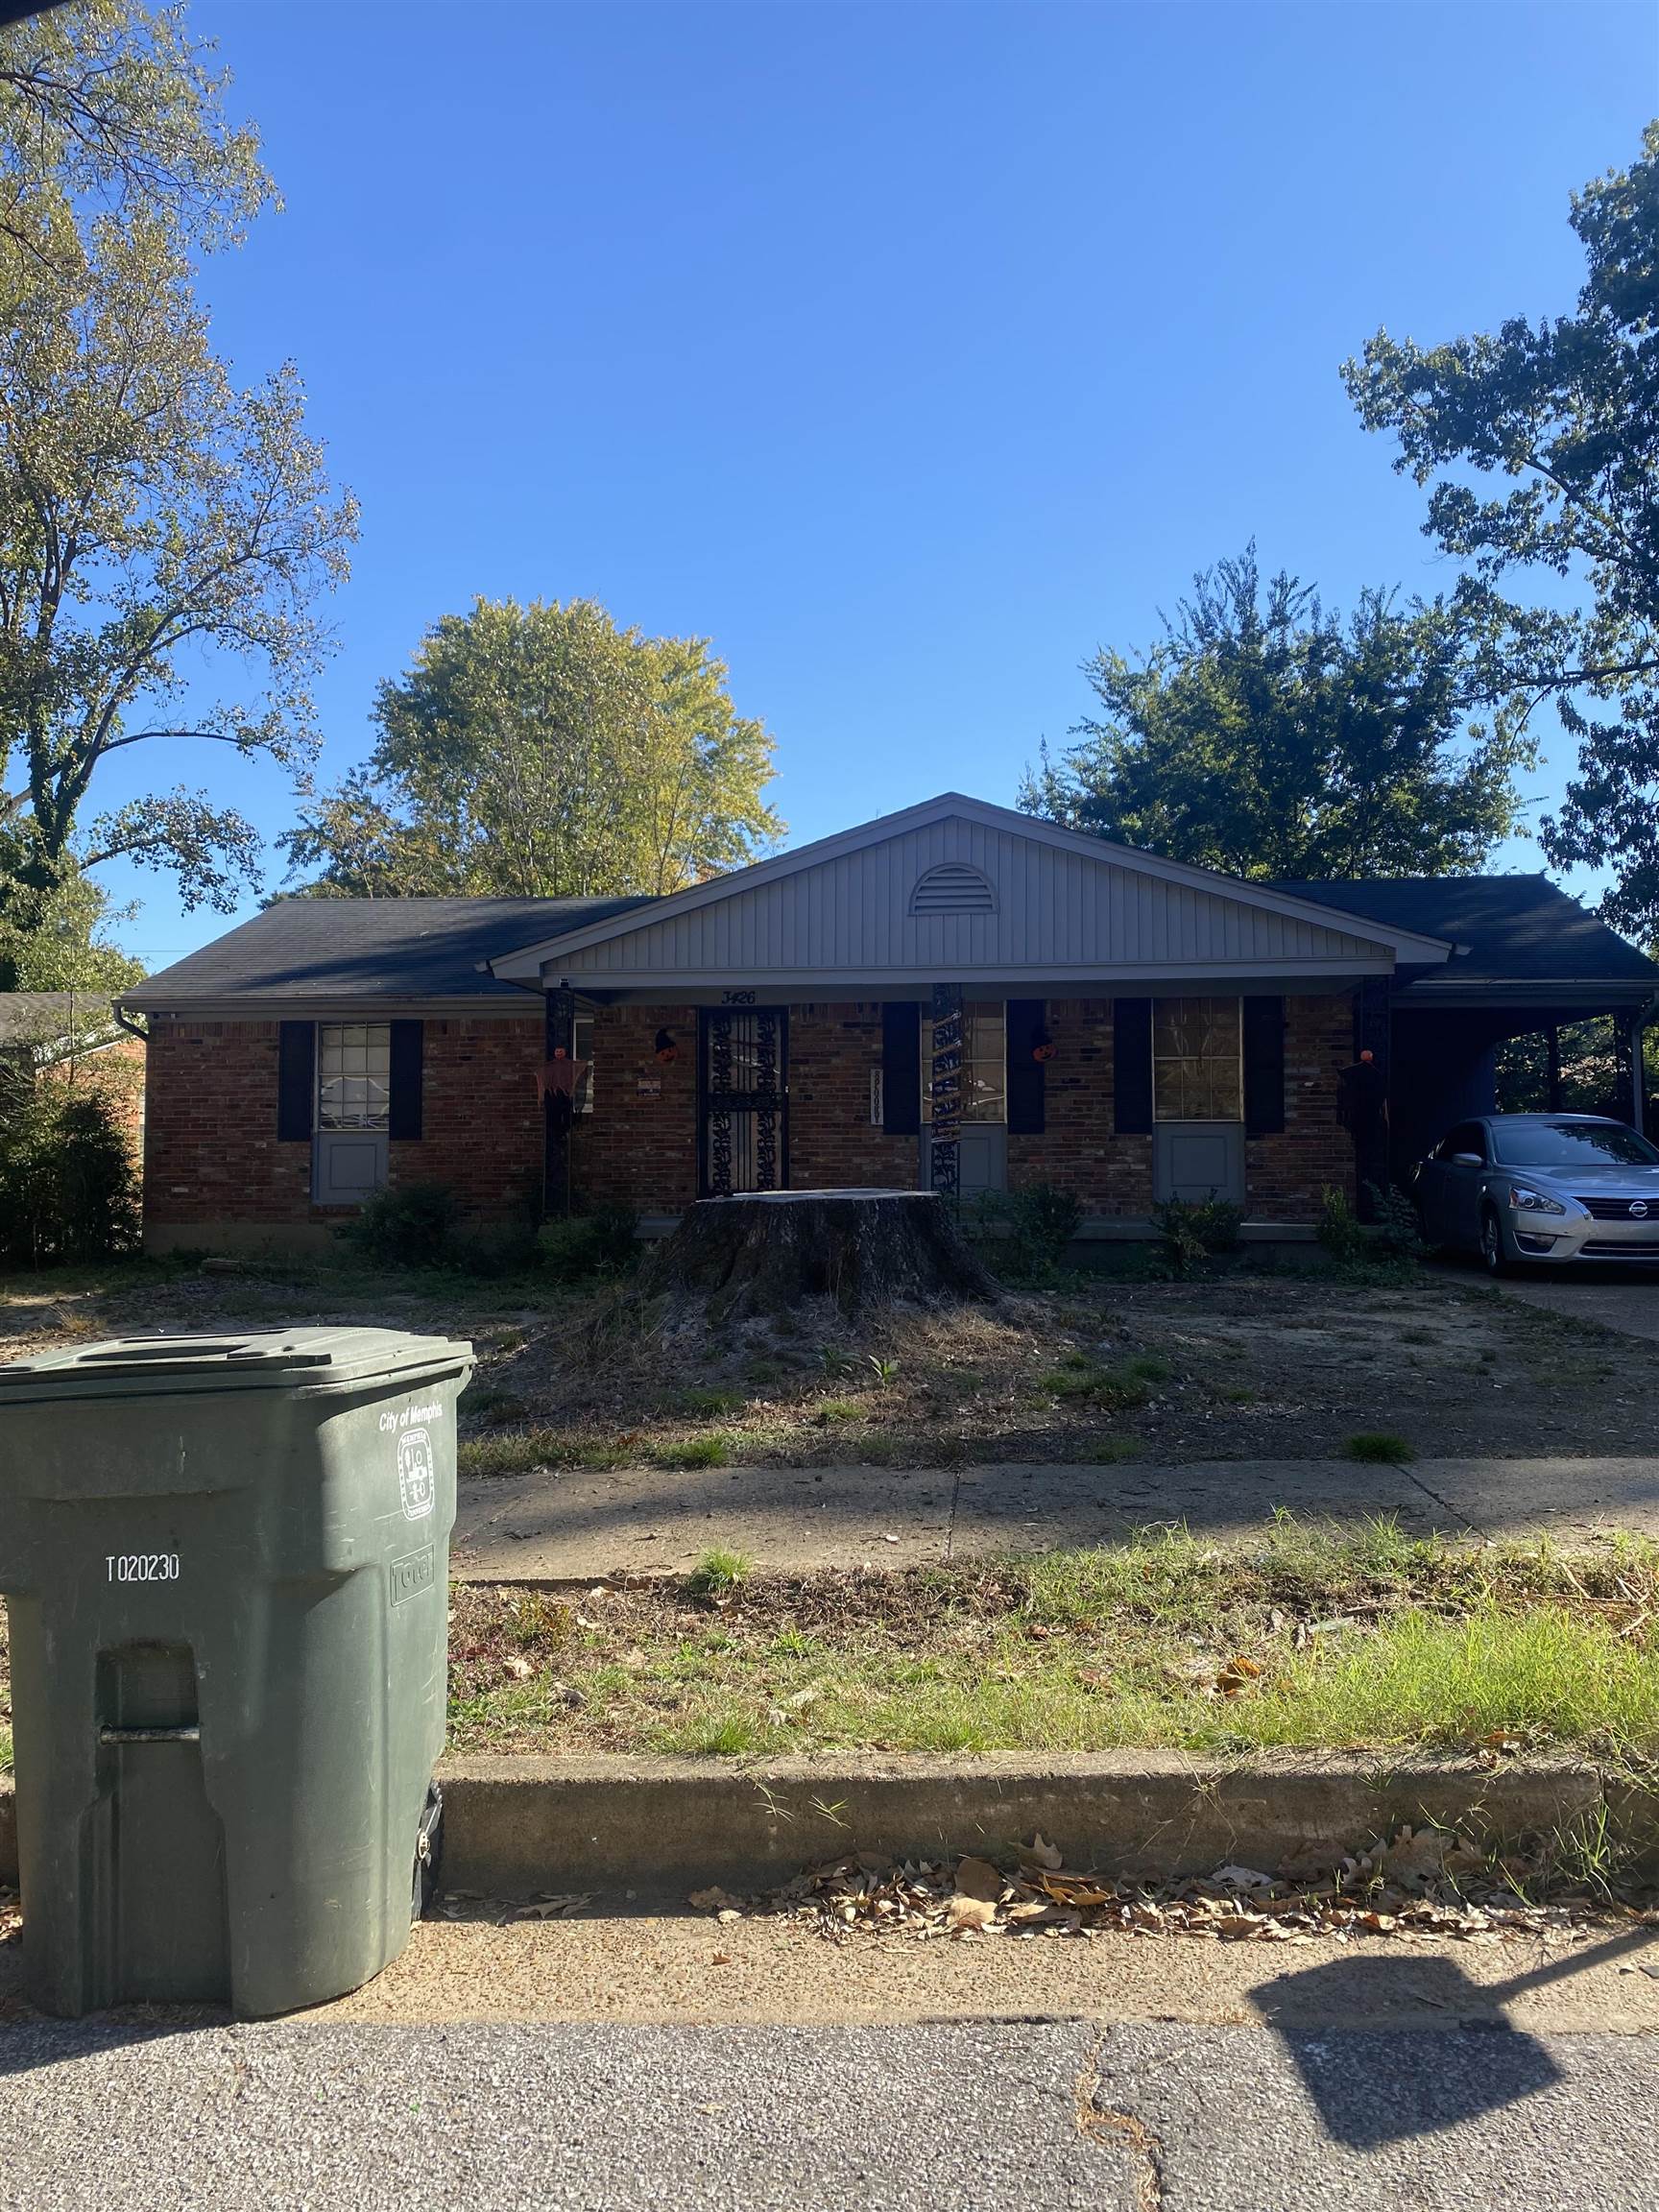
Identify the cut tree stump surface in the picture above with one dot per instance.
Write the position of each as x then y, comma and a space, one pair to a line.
762, 1250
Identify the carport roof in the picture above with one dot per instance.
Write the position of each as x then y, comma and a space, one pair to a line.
1507, 930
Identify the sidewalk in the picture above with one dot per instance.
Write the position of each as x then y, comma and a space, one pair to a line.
577, 1526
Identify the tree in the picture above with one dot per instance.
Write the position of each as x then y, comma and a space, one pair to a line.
110, 106
1568, 411
150, 511
541, 751
1265, 736
58, 941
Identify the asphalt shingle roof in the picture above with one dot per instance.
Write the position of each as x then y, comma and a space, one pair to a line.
1518, 929
356, 948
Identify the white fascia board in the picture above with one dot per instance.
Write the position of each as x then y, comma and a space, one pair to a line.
528, 962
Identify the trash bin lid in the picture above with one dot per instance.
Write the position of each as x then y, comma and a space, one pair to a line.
154, 1362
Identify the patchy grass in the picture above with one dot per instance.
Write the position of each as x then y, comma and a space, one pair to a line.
1308, 1636
693, 1451
1380, 1449
718, 1572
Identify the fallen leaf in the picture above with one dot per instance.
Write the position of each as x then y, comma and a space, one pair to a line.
712, 1900
979, 1879
1038, 1853
520, 1668
972, 1911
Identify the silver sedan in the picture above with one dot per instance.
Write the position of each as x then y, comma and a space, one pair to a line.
1532, 1188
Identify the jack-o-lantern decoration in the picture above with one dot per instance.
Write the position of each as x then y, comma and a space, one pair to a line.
668, 1051
1042, 1047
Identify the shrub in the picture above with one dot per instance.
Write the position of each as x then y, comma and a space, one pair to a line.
67, 1187
1398, 1234
406, 1225
1023, 1235
586, 1244
1338, 1227
1192, 1233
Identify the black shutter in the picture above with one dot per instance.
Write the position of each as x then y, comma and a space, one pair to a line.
1263, 1066
1026, 1032
403, 1110
1132, 1067
900, 1068
296, 1081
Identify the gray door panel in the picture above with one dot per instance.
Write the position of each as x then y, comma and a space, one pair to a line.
347, 1166
1192, 1161
981, 1159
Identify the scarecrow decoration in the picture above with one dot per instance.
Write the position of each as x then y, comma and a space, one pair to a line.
559, 1080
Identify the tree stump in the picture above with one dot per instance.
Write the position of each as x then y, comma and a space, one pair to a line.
761, 1252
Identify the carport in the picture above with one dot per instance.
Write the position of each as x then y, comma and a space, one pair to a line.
1529, 961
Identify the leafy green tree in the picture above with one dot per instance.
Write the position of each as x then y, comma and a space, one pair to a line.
1266, 736
150, 511
1566, 411
541, 751
110, 107
59, 939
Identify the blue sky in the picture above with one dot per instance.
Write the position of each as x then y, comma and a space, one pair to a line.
909, 353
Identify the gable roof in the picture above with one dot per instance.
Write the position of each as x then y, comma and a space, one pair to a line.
1507, 928
318, 950
1074, 904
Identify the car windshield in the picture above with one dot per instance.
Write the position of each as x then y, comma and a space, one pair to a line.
1571, 1144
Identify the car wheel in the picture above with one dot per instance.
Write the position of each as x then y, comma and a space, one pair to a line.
1493, 1256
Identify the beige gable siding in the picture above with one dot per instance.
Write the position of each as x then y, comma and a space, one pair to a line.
1055, 910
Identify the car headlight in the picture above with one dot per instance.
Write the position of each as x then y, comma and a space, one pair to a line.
1526, 1200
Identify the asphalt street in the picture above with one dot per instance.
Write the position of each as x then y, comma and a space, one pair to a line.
968, 2116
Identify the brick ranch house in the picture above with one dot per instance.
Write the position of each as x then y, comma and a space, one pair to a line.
955, 996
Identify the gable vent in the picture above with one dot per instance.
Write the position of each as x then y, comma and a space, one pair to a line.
953, 887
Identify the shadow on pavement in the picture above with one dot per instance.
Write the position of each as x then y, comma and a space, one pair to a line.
1317, 2011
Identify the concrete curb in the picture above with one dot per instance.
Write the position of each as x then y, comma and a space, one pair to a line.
515, 1824
664, 1826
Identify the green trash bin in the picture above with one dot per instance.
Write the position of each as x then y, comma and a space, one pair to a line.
226, 1561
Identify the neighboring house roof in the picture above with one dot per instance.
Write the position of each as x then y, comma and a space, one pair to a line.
49, 1019
957, 887
1519, 930
407, 951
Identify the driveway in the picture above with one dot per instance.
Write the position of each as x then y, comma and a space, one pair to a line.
1627, 1302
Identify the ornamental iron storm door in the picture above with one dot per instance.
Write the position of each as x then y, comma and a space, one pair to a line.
743, 1126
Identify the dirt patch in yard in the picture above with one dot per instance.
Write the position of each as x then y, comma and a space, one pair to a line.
1245, 1368
1242, 1367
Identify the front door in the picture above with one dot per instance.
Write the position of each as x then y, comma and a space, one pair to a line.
743, 1084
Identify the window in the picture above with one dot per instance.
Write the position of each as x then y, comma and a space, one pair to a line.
1467, 1136
353, 1074
984, 1064
1198, 1060
1571, 1144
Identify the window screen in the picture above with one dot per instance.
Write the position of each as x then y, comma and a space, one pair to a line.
353, 1074
1198, 1060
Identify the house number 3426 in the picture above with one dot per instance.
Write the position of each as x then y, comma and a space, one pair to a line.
737, 998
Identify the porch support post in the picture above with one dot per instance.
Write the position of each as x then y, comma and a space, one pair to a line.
1553, 1036
560, 1026
1372, 1027
944, 1091
1638, 1105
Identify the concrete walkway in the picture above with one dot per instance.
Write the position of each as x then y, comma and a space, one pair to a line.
578, 1526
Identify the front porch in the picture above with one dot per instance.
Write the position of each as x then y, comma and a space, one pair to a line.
1122, 1102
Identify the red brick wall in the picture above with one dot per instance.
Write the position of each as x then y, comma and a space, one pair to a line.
211, 1152
639, 1146
116, 1072
834, 1051
1283, 1175
1079, 1151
